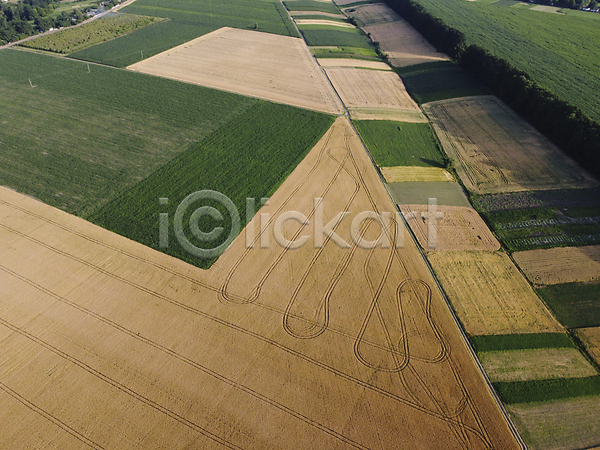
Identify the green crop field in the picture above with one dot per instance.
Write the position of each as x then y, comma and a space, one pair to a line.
311, 5
77, 138
336, 36
575, 305
247, 158
346, 52
494, 343
440, 82
400, 144
546, 390
92, 33
559, 51
188, 20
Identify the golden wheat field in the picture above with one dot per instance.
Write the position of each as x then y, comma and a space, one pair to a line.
591, 338
489, 294
263, 65
457, 228
497, 151
107, 343
405, 174
536, 364
560, 265
374, 94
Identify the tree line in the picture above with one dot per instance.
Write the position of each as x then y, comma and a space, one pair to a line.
564, 124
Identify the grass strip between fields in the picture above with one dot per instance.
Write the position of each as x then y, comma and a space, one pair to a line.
547, 390
520, 341
247, 158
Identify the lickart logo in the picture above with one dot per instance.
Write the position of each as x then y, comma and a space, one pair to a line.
186, 225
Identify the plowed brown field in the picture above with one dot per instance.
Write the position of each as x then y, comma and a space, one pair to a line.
276, 68
458, 229
490, 295
372, 13
374, 94
108, 344
560, 265
498, 151
402, 44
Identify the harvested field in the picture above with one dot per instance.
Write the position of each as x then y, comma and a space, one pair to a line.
560, 424
329, 23
356, 63
536, 364
447, 194
312, 5
276, 68
403, 174
498, 151
489, 294
317, 13
560, 265
371, 14
374, 94
402, 44
119, 346
591, 339
459, 229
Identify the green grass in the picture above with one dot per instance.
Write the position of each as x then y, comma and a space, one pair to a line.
547, 390
188, 20
336, 36
418, 193
92, 33
311, 5
346, 52
441, 83
77, 139
247, 158
503, 342
400, 144
552, 48
575, 305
